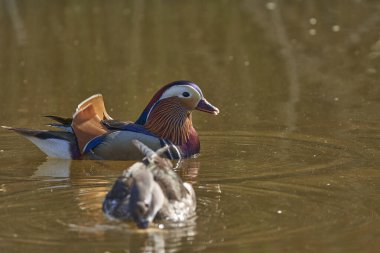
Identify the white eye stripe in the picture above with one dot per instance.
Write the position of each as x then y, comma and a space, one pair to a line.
178, 90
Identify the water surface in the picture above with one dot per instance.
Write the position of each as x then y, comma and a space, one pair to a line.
290, 165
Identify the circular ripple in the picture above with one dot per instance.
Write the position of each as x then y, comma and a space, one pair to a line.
254, 188
268, 155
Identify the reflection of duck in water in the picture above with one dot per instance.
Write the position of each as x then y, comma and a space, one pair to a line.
150, 189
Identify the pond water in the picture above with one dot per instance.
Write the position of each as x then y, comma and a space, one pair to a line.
290, 165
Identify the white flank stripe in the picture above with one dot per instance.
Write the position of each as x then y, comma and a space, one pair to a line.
52, 147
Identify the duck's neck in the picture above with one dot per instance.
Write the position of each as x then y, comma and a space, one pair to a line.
170, 120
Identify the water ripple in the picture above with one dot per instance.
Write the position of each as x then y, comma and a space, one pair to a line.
250, 188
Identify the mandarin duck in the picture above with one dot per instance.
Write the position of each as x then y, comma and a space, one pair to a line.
92, 134
150, 190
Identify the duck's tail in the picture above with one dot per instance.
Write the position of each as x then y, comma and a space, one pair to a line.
85, 125
61, 123
53, 143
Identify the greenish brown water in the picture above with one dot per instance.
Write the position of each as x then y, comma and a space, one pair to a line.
290, 165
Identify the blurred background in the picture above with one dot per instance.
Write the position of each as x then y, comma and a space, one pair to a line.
290, 164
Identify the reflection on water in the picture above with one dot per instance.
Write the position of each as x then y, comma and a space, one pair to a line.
54, 168
291, 164
16, 20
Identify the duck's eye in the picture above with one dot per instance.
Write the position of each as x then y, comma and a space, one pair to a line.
186, 94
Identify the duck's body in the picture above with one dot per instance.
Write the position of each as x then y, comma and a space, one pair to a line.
150, 190
93, 134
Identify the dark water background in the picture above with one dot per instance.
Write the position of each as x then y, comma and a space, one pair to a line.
290, 165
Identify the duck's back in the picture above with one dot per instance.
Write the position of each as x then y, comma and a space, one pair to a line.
181, 202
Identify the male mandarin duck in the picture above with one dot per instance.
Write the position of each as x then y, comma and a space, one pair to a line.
93, 134
150, 190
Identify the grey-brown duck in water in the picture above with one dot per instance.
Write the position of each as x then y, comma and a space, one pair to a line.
150, 190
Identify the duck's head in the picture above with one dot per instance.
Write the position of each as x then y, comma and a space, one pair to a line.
183, 95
